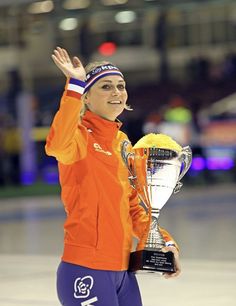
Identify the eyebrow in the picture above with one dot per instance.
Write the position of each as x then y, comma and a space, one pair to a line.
109, 81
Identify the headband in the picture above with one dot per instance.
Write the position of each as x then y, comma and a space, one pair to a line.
99, 72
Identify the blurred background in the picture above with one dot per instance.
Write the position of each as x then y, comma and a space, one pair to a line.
178, 57
179, 61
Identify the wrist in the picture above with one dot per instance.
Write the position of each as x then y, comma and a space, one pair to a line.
74, 87
171, 244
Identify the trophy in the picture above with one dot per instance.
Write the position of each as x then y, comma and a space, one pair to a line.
156, 164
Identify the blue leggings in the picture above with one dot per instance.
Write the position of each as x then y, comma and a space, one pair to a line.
81, 286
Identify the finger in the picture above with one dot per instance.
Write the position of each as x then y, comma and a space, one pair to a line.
55, 59
60, 51
176, 261
57, 62
66, 55
176, 273
76, 62
170, 249
60, 65
58, 56
172, 275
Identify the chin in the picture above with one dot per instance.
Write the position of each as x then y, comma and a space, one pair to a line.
112, 116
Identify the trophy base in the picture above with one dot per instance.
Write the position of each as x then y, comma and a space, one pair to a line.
152, 261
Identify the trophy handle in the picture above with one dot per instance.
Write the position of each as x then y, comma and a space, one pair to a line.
186, 159
134, 167
128, 158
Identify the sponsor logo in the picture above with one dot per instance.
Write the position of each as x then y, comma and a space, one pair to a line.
98, 148
82, 287
88, 302
82, 290
99, 69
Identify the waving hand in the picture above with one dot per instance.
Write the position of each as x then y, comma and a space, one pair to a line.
71, 69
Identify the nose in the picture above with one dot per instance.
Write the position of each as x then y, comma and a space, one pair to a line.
115, 91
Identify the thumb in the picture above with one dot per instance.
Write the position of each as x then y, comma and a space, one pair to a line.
76, 62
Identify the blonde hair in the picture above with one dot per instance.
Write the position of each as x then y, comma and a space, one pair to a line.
89, 68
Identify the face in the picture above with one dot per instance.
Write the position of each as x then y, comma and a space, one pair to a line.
107, 97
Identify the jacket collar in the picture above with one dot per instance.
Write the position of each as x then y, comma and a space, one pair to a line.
99, 126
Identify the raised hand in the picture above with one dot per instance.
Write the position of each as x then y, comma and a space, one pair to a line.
71, 69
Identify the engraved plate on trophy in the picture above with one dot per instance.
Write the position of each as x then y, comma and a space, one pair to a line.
156, 165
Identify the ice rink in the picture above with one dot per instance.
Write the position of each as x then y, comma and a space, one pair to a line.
202, 220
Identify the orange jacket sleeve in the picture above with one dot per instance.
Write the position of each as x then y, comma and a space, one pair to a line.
67, 138
168, 238
140, 219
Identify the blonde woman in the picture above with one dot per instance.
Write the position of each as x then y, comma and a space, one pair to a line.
103, 211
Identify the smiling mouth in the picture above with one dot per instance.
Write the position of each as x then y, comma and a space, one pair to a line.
114, 102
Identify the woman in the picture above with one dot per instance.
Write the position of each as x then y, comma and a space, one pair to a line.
103, 211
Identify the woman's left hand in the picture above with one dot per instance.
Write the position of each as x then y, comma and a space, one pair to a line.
176, 259
71, 68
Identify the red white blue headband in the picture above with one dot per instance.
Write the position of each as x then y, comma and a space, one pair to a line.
99, 72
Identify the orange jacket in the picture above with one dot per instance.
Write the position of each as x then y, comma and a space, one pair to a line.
103, 211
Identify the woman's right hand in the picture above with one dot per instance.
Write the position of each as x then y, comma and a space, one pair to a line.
71, 69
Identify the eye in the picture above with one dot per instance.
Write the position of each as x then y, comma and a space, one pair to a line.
121, 86
106, 86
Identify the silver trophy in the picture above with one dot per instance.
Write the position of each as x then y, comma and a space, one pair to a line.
155, 172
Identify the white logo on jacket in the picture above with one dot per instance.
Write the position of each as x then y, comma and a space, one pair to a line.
98, 148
